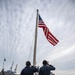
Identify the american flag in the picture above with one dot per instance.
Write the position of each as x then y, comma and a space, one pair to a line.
50, 37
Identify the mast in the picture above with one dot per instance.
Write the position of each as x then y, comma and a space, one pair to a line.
3, 63
35, 42
15, 68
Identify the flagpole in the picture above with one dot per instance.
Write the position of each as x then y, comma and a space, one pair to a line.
3, 63
35, 42
3, 67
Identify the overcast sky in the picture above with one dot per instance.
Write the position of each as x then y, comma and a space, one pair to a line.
17, 29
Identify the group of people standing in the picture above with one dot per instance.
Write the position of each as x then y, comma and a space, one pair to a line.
44, 70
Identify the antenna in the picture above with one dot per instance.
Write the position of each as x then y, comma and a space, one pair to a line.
11, 66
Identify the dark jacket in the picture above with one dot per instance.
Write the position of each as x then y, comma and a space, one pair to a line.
28, 71
45, 70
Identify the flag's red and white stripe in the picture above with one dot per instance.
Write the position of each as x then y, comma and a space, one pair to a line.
50, 37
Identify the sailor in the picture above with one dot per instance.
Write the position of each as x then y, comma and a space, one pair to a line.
46, 68
29, 70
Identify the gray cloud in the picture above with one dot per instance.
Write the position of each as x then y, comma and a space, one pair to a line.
17, 28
